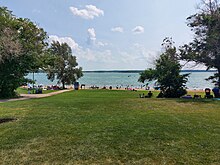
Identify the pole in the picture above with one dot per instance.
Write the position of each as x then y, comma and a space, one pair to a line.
33, 84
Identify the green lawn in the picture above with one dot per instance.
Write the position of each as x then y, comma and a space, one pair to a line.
110, 127
25, 91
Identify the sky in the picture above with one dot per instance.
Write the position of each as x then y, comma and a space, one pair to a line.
110, 34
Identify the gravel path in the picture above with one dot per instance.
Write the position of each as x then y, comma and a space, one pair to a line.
32, 96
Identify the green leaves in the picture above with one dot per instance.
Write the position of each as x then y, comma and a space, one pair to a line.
62, 64
22, 44
167, 72
204, 48
148, 75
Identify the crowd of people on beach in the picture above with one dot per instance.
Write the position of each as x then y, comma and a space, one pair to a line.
208, 92
207, 95
38, 89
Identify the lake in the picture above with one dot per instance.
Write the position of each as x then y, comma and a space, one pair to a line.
123, 79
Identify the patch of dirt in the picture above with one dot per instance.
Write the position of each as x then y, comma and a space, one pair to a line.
5, 120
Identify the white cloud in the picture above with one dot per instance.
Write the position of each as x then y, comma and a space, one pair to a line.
91, 36
101, 44
117, 29
91, 32
91, 40
192, 66
138, 30
96, 56
148, 55
136, 56
90, 12
67, 40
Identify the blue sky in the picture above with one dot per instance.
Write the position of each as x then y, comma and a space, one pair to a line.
110, 34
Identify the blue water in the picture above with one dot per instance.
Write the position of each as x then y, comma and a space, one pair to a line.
196, 79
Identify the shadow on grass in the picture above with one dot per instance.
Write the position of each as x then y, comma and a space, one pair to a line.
5, 120
201, 100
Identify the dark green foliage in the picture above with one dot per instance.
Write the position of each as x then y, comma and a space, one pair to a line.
62, 65
21, 45
167, 73
148, 75
204, 49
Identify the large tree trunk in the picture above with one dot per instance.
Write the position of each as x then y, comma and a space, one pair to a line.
63, 84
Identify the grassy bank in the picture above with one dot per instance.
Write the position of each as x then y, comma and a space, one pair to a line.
110, 127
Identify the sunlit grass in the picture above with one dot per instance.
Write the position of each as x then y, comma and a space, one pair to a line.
25, 91
110, 127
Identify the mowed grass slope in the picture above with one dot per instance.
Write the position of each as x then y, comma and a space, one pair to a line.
110, 127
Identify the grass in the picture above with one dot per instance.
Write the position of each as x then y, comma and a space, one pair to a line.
110, 127
25, 91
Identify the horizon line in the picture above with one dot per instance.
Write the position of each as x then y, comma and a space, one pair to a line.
140, 70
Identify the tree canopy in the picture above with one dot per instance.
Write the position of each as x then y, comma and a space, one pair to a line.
205, 49
62, 64
167, 72
21, 44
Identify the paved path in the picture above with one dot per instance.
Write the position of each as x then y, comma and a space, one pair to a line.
32, 96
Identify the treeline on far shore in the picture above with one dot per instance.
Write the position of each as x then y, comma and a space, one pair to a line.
131, 71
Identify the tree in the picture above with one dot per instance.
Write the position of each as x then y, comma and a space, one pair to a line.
21, 45
205, 49
62, 64
167, 72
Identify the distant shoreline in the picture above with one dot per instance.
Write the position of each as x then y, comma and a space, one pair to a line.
130, 71
138, 71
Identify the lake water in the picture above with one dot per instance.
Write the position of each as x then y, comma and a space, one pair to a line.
123, 79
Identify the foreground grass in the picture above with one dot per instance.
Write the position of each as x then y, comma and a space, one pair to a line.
110, 127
